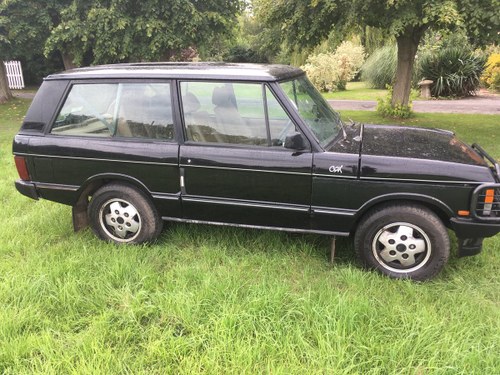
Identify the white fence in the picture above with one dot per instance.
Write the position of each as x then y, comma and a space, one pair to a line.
14, 74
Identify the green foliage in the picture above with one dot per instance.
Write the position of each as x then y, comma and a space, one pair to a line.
379, 69
253, 41
24, 27
481, 19
374, 38
456, 71
125, 30
306, 23
244, 54
386, 108
332, 71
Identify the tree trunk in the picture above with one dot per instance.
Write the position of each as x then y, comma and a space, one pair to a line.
68, 61
407, 49
5, 93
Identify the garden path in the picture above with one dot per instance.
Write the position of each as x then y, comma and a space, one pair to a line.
484, 103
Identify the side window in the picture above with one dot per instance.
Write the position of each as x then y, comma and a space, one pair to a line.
133, 110
85, 111
224, 112
237, 113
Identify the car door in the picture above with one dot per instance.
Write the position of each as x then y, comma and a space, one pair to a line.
114, 130
234, 168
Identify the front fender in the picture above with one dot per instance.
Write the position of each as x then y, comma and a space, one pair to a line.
438, 206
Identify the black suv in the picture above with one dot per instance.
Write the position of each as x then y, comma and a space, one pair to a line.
131, 145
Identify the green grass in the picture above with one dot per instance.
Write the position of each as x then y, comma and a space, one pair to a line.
230, 301
356, 91
362, 91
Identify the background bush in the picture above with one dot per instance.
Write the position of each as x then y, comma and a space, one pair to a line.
244, 54
332, 71
456, 71
399, 111
491, 75
380, 68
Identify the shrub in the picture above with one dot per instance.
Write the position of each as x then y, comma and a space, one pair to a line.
332, 71
385, 108
491, 75
455, 71
380, 68
243, 54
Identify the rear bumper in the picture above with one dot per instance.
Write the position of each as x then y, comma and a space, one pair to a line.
27, 188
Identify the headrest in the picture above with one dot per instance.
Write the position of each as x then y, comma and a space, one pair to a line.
221, 97
190, 103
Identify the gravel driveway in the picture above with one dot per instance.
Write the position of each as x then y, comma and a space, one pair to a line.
485, 104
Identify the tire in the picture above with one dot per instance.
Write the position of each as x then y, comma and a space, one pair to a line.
121, 213
403, 241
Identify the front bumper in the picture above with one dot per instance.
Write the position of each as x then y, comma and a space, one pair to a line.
27, 188
470, 234
469, 228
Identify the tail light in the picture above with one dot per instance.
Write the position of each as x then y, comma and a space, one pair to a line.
22, 168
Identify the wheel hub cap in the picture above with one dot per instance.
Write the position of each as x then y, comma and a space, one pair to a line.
120, 220
401, 247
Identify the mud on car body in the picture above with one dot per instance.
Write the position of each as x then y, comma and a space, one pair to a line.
130, 146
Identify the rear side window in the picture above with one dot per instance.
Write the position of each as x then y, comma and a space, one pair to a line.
130, 110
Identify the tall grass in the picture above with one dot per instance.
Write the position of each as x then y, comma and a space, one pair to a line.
226, 301
379, 69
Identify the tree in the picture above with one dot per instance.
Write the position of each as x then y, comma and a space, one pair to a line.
305, 23
25, 25
126, 30
5, 93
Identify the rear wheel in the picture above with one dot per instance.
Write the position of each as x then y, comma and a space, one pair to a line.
121, 213
403, 241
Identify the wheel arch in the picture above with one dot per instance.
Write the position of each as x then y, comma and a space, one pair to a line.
441, 209
90, 186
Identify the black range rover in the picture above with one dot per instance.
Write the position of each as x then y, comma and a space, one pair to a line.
132, 145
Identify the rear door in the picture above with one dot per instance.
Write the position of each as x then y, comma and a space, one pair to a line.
111, 130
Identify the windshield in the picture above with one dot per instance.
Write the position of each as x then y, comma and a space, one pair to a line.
314, 110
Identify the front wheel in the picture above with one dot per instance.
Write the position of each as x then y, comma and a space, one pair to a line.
403, 241
121, 213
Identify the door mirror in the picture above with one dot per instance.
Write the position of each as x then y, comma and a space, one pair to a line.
295, 141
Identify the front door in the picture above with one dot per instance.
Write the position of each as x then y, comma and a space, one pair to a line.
233, 165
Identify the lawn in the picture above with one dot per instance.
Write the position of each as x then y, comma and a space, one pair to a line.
224, 300
356, 91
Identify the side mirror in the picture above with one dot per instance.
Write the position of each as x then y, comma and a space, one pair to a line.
295, 141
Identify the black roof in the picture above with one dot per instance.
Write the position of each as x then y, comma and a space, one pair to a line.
199, 70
